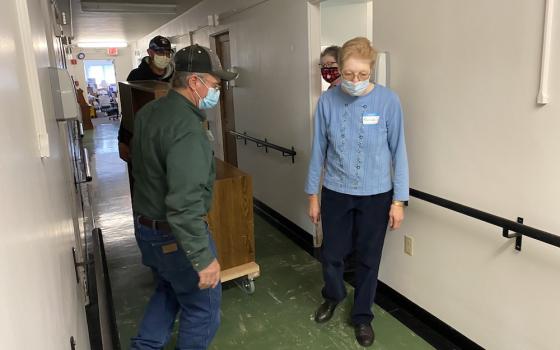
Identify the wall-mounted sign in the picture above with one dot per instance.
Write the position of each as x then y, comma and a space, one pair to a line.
81, 55
112, 51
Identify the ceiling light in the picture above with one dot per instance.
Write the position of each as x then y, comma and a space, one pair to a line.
102, 44
127, 7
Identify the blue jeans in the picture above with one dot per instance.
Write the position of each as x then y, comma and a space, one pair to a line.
176, 290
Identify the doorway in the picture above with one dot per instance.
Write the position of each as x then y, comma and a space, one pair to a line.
342, 20
226, 101
102, 90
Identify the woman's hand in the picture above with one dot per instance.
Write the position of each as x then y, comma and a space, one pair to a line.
314, 209
396, 216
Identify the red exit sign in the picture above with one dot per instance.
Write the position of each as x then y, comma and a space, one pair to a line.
113, 51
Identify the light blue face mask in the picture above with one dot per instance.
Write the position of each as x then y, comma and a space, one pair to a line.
355, 89
211, 99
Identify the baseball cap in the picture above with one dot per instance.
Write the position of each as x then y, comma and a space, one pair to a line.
160, 43
200, 59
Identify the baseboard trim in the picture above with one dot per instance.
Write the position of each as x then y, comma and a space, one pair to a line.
293, 231
427, 326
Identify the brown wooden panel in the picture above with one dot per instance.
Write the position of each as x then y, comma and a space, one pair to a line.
84, 109
251, 270
135, 94
231, 218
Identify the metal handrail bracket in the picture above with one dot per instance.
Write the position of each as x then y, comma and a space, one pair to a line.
286, 152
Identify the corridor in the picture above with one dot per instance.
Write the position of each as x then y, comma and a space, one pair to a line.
278, 316
452, 105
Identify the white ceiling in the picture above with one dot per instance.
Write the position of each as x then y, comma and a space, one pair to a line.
102, 26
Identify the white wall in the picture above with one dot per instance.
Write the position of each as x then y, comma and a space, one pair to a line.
122, 62
39, 298
272, 98
467, 74
342, 20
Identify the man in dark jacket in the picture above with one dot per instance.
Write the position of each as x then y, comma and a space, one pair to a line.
156, 66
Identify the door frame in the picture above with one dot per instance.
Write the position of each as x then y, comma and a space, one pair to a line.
229, 145
220, 149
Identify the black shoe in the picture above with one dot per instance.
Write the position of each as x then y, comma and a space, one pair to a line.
325, 312
364, 334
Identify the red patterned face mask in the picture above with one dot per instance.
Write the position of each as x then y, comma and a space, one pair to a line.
330, 74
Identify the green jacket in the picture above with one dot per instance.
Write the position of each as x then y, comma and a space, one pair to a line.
174, 172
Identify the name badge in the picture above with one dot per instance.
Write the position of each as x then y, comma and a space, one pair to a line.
370, 119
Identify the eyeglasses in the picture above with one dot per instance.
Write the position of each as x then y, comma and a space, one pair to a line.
216, 86
351, 75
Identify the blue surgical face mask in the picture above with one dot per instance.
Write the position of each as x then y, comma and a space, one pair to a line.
355, 89
211, 99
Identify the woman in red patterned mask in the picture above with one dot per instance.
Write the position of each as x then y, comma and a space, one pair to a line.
329, 65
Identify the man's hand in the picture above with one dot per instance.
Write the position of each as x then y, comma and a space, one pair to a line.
124, 152
314, 209
210, 276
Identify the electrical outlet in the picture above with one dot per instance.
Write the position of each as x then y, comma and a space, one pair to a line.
408, 245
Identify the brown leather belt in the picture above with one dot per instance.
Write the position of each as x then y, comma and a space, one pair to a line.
154, 224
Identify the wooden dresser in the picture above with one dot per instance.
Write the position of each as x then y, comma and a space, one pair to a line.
231, 222
231, 217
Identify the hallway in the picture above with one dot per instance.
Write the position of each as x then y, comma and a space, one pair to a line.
277, 316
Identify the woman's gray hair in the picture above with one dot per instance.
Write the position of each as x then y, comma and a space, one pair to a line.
180, 79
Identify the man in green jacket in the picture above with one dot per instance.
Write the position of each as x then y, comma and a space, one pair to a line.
173, 167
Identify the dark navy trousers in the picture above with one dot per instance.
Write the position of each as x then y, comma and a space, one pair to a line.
353, 224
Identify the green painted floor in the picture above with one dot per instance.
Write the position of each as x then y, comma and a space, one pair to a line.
279, 315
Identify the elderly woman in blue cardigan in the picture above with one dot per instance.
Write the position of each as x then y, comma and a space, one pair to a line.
359, 147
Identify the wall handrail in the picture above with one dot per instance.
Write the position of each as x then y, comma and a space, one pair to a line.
518, 228
286, 152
